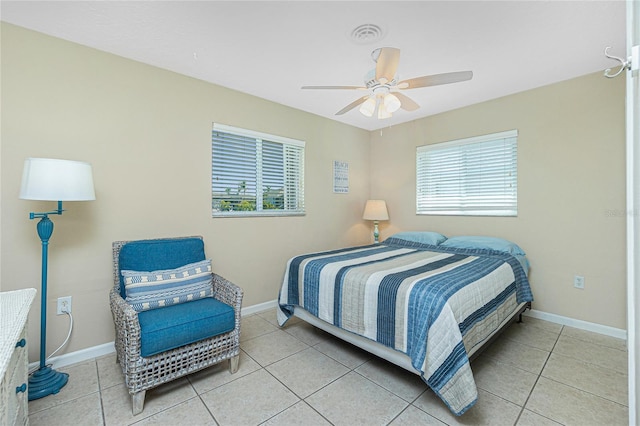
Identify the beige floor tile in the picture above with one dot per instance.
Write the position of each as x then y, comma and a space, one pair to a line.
488, 410
218, 375
352, 399
596, 338
307, 371
345, 353
413, 416
254, 326
529, 418
545, 325
116, 401
597, 380
531, 335
307, 333
399, 381
250, 400
570, 406
85, 411
271, 316
583, 383
109, 371
272, 347
519, 355
274, 319
299, 414
193, 411
503, 380
83, 380
603, 356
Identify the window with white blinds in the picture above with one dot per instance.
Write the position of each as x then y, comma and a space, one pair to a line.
475, 176
255, 174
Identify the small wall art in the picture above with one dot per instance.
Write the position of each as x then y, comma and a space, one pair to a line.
340, 177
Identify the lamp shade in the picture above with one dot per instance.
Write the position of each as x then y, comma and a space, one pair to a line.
391, 103
368, 107
382, 112
375, 210
50, 179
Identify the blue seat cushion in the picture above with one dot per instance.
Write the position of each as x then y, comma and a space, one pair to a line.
173, 326
161, 254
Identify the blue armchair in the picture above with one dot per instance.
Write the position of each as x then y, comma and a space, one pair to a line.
172, 315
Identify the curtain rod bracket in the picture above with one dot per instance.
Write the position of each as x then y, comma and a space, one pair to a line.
624, 64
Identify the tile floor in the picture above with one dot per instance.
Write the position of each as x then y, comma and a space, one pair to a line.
538, 373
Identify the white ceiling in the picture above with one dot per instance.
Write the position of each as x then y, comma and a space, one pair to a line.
270, 49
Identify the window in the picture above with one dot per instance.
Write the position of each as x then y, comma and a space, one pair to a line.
255, 174
474, 176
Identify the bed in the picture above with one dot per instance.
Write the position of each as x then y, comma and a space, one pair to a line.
418, 300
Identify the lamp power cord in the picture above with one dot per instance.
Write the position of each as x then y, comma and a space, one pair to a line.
66, 340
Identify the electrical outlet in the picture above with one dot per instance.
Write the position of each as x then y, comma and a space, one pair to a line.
578, 281
64, 305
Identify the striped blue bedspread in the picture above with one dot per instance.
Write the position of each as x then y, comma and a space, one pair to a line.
432, 303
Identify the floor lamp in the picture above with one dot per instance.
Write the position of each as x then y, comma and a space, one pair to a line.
48, 179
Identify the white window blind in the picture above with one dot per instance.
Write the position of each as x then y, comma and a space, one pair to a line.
255, 174
474, 176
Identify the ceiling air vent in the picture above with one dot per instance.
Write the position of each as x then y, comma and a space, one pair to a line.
367, 33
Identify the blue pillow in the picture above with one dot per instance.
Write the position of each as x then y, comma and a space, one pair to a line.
159, 254
433, 238
156, 289
478, 242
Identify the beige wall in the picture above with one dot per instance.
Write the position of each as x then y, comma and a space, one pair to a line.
571, 189
147, 133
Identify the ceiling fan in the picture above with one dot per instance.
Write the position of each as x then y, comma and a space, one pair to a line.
385, 97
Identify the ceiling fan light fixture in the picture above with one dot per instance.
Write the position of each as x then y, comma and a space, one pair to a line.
391, 102
368, 107
383, 79
383, 112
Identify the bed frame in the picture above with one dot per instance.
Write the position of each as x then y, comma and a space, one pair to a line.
396, 357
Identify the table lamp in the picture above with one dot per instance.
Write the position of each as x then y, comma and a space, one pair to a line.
375, 210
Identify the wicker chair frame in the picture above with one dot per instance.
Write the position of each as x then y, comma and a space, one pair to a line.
143, 373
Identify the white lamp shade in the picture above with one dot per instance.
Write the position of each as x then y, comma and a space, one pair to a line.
375, 210
368, 107
50, 179
391, 103
382, 112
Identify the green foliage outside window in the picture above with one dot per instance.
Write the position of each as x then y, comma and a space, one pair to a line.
236, 199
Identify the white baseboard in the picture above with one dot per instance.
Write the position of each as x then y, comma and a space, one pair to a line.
109, 348
77, 356
259, 307
583, 325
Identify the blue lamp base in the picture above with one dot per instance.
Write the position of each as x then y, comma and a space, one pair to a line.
46, 381
376, 233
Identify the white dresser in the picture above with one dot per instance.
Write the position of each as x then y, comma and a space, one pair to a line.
14, 311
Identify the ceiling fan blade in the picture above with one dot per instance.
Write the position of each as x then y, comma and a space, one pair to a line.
406, 102
334, 87
435, 80
387, 64
352, 105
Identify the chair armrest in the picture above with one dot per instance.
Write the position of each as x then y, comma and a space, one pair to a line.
127, 327
229, 293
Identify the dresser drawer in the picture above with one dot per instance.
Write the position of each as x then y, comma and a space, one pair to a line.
17, 379
19, 349
14, 356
